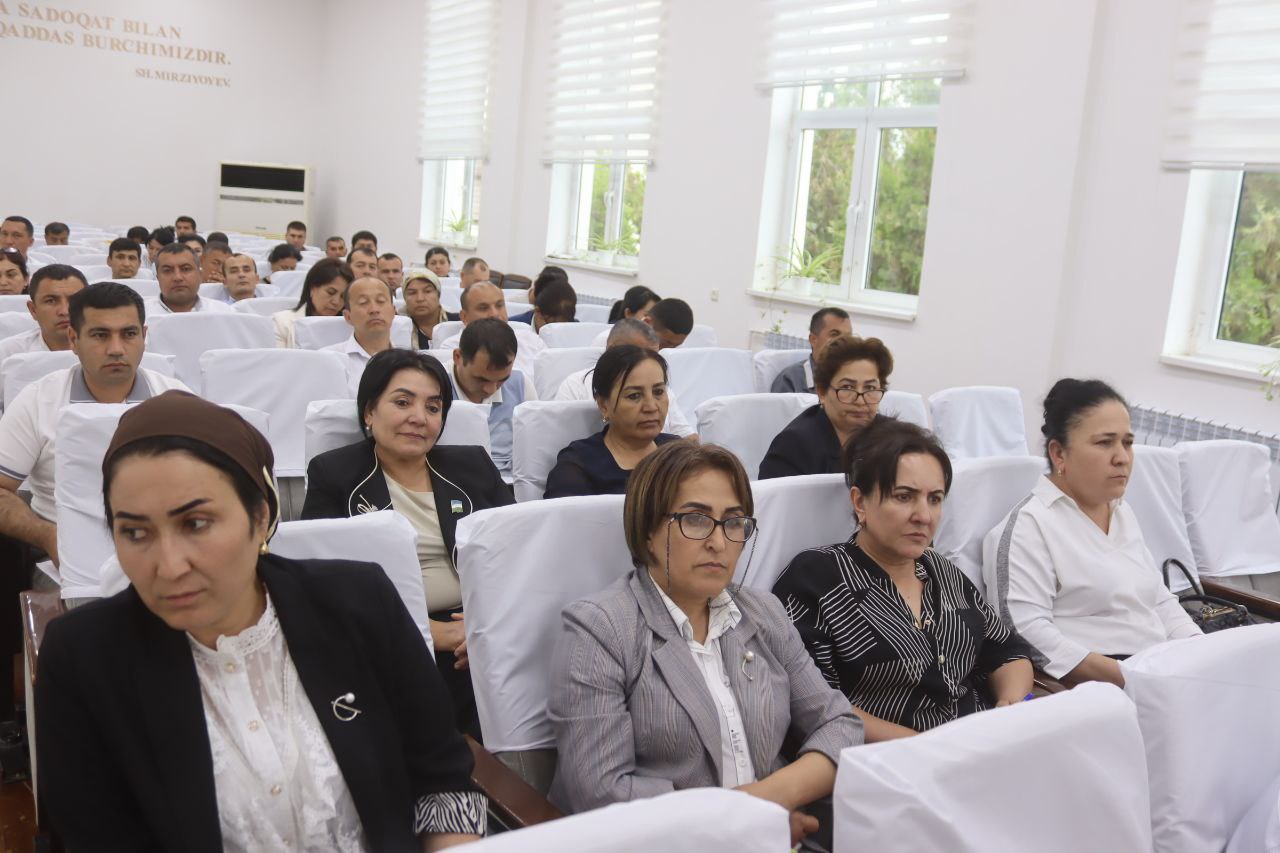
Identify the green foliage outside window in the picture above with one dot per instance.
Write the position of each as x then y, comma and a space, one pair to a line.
902, 208
1251, 299
627, 241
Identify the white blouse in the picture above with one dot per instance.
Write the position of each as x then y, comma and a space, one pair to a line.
278, 783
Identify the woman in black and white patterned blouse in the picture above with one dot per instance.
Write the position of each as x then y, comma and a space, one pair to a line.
890, 622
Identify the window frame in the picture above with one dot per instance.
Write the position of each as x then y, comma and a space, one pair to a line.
433, 215
570, 207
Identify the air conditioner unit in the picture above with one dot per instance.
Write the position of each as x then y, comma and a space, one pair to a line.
262, 198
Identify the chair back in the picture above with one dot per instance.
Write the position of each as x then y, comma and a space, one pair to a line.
1229, 506
1061, 757
94, 272
701, 336
15, 303
748, 423
1259, 828
540, 429
592, 313
189, 336
981, 420
213, 291
289, 283
698, 374
21, 369
554, 364
12, 323
265, 306
444, 331
905, 406
1208, 708
795, 513
64, 254
571, 334
331, 424
450, 298
768, 363
147, 288
320, 332
982, 492
1154, 493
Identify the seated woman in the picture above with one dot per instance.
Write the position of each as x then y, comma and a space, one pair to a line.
895, 625
635, 304
422, 306
630, 388
438, 261
671, 678
402, 404
321, 296
850, 375
230, 699
13, 272
1068, 566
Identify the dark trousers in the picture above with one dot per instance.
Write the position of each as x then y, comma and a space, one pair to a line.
465, 716
16, 564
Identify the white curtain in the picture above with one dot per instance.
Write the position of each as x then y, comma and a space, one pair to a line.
457, 68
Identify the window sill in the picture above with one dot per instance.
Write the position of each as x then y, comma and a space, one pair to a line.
906, 315
629, 272
1206, 364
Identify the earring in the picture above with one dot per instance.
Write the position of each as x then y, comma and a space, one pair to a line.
264, 549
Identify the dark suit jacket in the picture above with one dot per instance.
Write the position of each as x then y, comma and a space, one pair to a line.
348, 481
807, 445
124, 757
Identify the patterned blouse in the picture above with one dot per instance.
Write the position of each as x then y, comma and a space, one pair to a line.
867, 643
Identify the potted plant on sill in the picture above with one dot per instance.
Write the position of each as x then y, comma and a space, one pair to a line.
1271, 373
800, 271
457, 229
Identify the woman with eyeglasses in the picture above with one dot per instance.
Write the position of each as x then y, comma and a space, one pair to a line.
671, 678
907, 638
851, 375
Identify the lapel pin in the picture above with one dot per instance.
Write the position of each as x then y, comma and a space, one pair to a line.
456, 507
343, 709
746, 659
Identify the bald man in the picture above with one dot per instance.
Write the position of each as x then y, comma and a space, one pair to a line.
483, 300
368, 307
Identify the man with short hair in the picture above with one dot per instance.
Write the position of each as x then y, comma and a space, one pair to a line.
369, 308
107, 333
672, 320
365, 240
157, 240
184, 226
483, 300
195, 242
295, 234
57, 234
577, 385
124, 257
48, 300
178, 274
283, 257
825, 325
556, 302
484, 372
17, 232
335, 247
240, 278
549, 273
473, 270
363, 263
391, 270
211, 262
138, 234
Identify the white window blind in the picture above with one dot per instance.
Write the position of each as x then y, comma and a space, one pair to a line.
825, 41
605, 66
1225, 96
456, 71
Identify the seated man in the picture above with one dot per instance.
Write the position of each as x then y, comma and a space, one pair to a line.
363, 263
124, 257
335, 247
295, 234
545, 277
57, 234
108, 333
138, 234
484, 300
284, 257
239, 278
473, 270
671, 319
483, 373
215, 255
48, 294
158, 239
368, 307
177, 273
577, 385
826, 325
196, 244
365, 240
391, 271
17, 232
184, 226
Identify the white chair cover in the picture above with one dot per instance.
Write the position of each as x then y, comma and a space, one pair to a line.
15, 303
516, 307
554, 364
63, 254
265, 306
700, 336
697, 375
982, 492
697, 820
12, 323
385, 538
21, 369
212, 290
515, 581
147, 288
905, 406
289, 282
87, 257
747, 423
189, 336
592, 313
795, 513
280, 382
445, 331
94, 272
1260, 828
1154, 494
1231, 516
332, 424
768, 363
450, 297
540, 429
1208, 707
1061, 774
571, 334
320, 332
981, 420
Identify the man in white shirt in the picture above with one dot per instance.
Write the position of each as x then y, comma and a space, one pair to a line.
368, 307
178, 275
124, 256
240, 274
49, 293
483, 372
577, 385
484, 300
363, 263
391, 270
108, 335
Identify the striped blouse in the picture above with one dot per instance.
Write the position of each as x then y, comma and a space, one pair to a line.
867, 644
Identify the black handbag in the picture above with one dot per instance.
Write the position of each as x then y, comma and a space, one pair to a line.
1208, 611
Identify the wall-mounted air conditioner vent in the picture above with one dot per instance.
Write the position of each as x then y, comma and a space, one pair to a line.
262, 198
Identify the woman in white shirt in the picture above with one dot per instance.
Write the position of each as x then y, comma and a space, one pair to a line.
321, 297
1067, 567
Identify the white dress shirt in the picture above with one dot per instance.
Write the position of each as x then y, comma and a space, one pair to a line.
1070, 589
577, 386
354, 357
528, 345
736, 767
285, 323
212, 306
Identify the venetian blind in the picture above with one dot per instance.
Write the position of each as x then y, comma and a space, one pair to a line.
457, 69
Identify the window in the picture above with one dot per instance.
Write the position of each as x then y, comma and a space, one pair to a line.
598, 214
451, 202
855, 161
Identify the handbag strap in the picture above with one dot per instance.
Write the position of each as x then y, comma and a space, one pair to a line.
1164, 572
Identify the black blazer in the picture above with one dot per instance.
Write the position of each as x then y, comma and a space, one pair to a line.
349, 481
807, 445
123, 749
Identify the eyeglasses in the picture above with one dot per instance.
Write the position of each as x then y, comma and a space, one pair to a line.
699, 525
851, 395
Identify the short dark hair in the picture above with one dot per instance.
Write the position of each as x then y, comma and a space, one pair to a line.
548, 274
674, 315
437, 250
217, 246
615, 365
56, 228
471, 263
364, 235
138, 234
390, 256
184, 219
341, 240
324, 271
295, 225
845, 349
15, 257
175, 248
361, 251
491, 335
248, 492
1067, 402
31, 231
282, 251
187, 238
820, 316
556, 298
123, 244
104, 295
635, 299
870, 459
164, 235
53, 272
386, 364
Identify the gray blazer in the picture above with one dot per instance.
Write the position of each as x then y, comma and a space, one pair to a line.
633, 716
